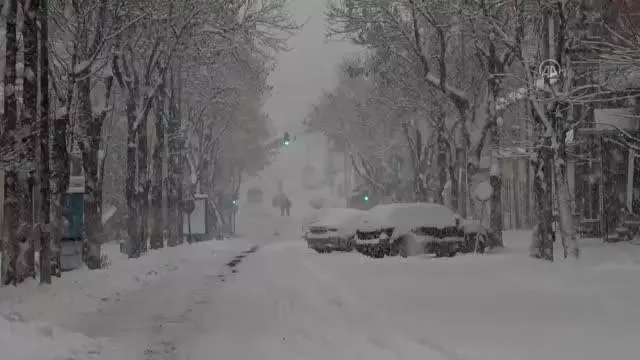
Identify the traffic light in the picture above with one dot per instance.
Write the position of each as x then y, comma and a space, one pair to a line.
365, 198
285, 139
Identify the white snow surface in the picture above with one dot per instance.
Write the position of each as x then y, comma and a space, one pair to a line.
290, 303
31, 341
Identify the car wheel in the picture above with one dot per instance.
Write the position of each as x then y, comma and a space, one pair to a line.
440, 252
403, 246
351, 244
394, 249
378, 252
481, 240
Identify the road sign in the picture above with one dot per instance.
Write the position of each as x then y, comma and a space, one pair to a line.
483, 191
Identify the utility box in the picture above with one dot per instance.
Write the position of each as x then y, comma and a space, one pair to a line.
72, 242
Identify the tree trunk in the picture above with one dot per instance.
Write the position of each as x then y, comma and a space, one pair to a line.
26, 267
157, 239
442, 168
174, 185
495, 223
173, 189
130, 185
455, 188
495, 179
542, 240
143, 187
45, 193
11, 219
90, 146
567, 233
60, 175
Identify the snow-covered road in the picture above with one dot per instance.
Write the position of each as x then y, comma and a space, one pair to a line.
283, 306
287, 302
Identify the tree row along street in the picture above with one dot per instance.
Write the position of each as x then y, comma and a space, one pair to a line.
143, 106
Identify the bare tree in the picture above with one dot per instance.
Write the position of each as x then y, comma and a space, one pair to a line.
420, 35
45, 172
11, 207
27, 152
139, 65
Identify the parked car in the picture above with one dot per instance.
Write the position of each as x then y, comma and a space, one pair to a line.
312, 217
334, 230
416, 228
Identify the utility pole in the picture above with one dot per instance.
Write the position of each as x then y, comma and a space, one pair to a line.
345, 186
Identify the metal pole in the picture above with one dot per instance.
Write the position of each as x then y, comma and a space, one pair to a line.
630, 172
603, 220
189, 228
233, 222
344, 181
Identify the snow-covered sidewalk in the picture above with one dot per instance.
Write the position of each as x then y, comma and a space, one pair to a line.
46, 322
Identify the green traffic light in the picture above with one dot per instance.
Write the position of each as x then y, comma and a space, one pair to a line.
366, 198
286, 143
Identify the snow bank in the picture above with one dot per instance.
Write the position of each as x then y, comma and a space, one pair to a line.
83, 291
28, 312
37, 341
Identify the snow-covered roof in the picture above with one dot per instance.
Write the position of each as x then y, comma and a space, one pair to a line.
620, 78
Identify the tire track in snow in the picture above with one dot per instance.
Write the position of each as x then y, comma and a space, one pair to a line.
166, 347
345, 298
153, 322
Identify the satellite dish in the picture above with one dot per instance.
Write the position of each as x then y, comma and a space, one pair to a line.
483, 191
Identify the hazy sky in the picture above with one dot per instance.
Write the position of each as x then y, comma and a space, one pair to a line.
307, 69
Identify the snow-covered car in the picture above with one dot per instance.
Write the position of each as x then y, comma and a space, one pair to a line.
312, 217
415, 228
334, 229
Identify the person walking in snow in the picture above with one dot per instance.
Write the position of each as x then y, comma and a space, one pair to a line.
287, 207
281, 201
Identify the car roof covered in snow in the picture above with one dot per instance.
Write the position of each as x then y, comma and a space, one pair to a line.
338, 216
314, 216
411, 215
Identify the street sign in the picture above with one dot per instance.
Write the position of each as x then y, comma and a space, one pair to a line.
483, 191
188, 206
